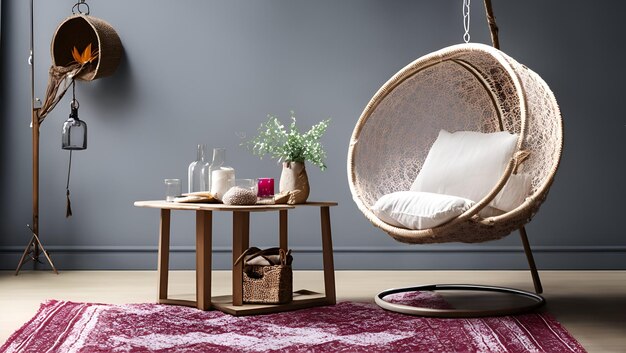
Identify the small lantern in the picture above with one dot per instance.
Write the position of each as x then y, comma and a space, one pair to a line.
74, 130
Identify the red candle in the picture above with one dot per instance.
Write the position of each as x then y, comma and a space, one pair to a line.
266, 187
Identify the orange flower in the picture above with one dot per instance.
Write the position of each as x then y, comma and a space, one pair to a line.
86, 57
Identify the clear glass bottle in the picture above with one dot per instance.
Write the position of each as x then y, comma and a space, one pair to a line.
222, 178
219, 158
196, 178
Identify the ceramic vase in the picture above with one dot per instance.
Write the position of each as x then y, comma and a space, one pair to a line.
294, 178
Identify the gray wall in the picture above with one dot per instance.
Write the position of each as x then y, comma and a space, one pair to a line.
209, 71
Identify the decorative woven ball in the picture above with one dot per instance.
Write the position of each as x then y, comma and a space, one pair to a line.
239, 196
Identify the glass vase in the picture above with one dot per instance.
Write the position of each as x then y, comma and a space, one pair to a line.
221, 177
197, 181
219, 158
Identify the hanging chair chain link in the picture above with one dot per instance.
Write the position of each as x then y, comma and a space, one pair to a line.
81, 7
466, 20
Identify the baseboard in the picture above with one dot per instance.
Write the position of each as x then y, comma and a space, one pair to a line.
432, 257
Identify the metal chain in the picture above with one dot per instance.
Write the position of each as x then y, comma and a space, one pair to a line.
466, 20
81, 7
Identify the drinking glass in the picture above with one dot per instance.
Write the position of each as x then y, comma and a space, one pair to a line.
173, 189
266, 187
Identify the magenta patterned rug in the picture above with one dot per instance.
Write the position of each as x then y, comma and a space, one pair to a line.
68, 327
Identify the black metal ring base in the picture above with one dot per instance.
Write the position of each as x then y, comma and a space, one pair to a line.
537, 301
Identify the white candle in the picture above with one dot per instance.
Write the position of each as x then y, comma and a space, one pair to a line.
221, 181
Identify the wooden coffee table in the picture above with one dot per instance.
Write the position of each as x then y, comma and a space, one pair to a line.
233, 304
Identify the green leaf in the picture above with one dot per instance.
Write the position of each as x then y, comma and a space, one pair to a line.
274, 140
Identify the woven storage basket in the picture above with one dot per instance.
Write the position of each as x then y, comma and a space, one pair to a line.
79, 31
267, 276
268, 284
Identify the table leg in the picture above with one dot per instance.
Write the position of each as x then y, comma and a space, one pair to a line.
282, 229
204, 220
164, 254
241, 241
327, 251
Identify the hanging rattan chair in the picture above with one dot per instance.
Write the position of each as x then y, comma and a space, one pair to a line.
469, 87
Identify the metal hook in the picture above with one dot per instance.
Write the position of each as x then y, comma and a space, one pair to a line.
77, 8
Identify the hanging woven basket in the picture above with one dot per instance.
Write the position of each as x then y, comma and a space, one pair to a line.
79, 31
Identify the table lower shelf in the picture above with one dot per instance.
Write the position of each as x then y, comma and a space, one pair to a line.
301, 299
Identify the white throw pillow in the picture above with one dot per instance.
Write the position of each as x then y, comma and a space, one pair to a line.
466, 164
419, 210
513, 193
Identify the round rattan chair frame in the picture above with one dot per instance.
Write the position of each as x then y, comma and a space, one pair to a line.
468, 227
520, 101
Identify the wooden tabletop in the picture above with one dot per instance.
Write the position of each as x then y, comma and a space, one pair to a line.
222, 207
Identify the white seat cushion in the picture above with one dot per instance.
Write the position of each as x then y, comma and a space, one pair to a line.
419, 210
466, 164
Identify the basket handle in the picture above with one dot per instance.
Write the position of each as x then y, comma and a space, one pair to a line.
284, 256
246, 252
258, 252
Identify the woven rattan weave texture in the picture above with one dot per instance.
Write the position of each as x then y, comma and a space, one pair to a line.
463, 87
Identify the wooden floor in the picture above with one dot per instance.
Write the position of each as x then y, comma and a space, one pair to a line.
591, 304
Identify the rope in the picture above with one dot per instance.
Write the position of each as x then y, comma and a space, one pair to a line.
68, 204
